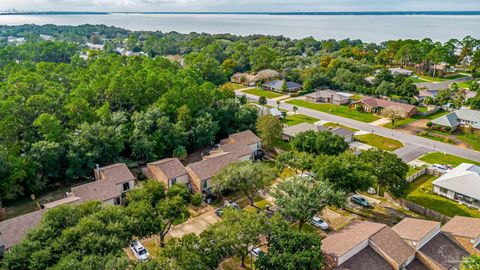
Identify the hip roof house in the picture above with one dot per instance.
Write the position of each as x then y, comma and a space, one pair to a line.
376, 105
277, 85
463, 117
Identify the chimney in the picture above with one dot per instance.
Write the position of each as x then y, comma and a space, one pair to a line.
97, 171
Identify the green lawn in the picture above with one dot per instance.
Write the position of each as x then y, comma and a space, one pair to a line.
465, 84
470, 139
234, 86
262, 93
420, 192
434, 137
292, 120
282, 145
340, 110
412, 170
414, 118
380, 142
418, 80
400, 122
335, 125
445, 159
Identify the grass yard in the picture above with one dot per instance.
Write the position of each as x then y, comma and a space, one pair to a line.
400, 122
380, 142
433, 136
235, 263
465, 84
420, 192
470, 139
440, 158
406, 121
335, 125
292, 120
340, 110
282, 145
262, 93
234, 86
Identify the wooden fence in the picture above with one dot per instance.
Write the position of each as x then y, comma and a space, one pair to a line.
423, 211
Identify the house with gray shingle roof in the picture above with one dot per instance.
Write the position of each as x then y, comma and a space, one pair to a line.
289, 132
276, 86
463, 117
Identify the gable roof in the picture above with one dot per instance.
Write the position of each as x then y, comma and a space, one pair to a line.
463, 227
341, 242
392, 245
238, 143
451, 119
292, 131
328, 94
211, 165
170, 167
96, 191
383, 103
12, 230
118, 173
448, 120
414, 229
463, 179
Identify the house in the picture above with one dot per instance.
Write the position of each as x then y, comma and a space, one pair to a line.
277, 85
367, 245
169, 171
291, 131
417, 232
462, 117
466, 231
461, 184
203, 171
95, 47
244, 145
12, 230
329, 96
275, 112
422, 94
110, 185
376, 105
248, 79
176, 58
244, 78
400, 72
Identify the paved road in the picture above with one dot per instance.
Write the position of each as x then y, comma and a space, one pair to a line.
410, 152
413, 140
441, 85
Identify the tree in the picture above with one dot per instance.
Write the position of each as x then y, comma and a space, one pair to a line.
262, 100
301, 161
284, 87
393, 113
322, 142
158, 210
471, 263
386, 88
295, 109
345, 172
289, 249
263, 57
242, 230
407, 88
270, 130
180, 152
247, 177
389, 170
243, 100
300, 198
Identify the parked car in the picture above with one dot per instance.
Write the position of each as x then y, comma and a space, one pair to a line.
219, 211
360, 200
319, 223
256, 252
441, 168
139, 251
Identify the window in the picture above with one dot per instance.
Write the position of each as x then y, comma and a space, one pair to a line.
204, 184
173, 181
443, 190
116, 201
126, 186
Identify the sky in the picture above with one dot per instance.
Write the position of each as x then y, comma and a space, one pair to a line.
240, 5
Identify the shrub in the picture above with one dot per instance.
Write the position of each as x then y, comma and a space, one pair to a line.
197, 199
429, 124
358, 107
448, 129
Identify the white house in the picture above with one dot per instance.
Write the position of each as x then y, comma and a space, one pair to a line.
461, 184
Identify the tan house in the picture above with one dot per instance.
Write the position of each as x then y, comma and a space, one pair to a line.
376, 105
417, 232
367, 245
110, 185
244, 145
248, 79
328, 96
202, 172
169, 171
466, 231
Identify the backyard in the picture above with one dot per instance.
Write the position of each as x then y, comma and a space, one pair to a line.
262, 93
340, 110
380, 142
233, 86
445, 159
420, 192
406, 121
296, 119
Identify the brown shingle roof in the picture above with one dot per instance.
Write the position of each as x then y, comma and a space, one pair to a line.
382, 103
211, 165
238, 149
13, 230
246, 137
392, 245
238, 143
463, 227
100, 190
118, 173
170, 167
414, 229
339, 243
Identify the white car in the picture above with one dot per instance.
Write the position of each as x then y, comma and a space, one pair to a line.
440, 168
139, 251
256, 252
319, 223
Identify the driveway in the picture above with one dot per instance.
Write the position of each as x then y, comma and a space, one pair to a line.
410, 152
195, 225
406, 138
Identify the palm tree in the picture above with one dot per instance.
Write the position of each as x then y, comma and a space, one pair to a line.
295, 109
